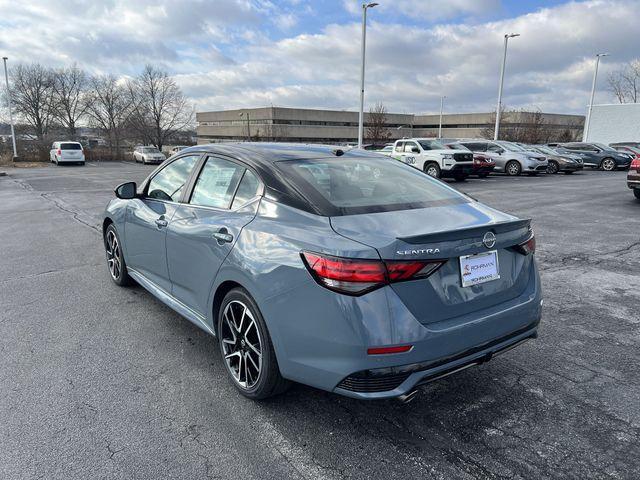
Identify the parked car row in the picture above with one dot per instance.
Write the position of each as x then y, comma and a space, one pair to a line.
460, 158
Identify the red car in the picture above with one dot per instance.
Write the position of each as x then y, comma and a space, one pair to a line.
482, 165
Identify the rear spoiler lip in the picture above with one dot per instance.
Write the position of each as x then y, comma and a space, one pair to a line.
466, 232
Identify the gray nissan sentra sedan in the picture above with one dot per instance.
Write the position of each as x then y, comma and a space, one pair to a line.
344, 270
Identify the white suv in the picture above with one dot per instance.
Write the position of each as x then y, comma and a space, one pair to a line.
66, 152
433, 158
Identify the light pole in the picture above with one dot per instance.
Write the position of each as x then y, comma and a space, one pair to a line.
13, 133
441, 108
242, 114
585, 135
504, 62
365, 6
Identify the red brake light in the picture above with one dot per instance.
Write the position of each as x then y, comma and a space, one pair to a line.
59, 152
354, 276
386, 350
528, 247
635, 163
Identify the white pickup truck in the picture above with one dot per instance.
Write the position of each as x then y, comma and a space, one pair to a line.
433, 158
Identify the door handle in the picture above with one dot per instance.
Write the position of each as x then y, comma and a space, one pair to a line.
222, 236
161, 222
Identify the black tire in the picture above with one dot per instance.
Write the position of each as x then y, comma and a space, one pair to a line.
269, 382
608, 164
460, 178
115, 259
432, 169
483, 175
553, 167
568, 172
636, 192
513, 168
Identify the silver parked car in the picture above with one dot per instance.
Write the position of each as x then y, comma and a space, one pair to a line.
339, 269
148, 155
510, 157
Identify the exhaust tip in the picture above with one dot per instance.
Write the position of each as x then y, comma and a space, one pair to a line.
408, 397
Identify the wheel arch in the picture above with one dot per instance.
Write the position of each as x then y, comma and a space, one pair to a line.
220, 292
105, 224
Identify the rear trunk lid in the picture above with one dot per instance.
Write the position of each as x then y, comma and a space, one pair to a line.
445, 233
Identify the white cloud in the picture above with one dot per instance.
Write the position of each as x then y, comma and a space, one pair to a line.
429, 9
224, 56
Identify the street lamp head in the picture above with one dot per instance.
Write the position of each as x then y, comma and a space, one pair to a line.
5, 58
370, 5
241, 114
511, 35
602, 55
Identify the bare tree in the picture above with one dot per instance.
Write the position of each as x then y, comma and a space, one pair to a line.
108, 108
521, 126
70, 97
159, 109
625, 83
31, 96
377, 130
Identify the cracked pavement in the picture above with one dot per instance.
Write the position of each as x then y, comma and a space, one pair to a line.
103, 382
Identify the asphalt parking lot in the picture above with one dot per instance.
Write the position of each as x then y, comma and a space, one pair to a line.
103, 382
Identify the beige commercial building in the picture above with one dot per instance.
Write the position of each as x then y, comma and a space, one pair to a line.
337, 126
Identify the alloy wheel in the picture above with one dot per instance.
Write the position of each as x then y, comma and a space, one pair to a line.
608, 164
113, 255
513, 168
432, 171
241, 344
552, 167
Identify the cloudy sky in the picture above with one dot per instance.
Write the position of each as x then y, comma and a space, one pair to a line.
302, 53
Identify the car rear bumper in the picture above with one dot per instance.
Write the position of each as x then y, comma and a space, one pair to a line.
71, 160
396, 381
633, 181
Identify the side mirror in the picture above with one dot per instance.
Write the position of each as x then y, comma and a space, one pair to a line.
126, 191
415, 149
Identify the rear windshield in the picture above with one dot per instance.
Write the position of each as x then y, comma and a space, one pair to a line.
70, 146
339, 186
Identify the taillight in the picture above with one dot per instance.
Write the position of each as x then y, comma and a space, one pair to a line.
59, 152
527, 247
354, 276
635, 164
387, 350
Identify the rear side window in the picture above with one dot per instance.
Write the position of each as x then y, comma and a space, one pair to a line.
70, 146
217, 183
399, 146
249, 187
409, 146
339, 186
169, 182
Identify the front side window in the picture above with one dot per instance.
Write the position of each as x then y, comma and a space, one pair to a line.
366, 185
169, 182
399, 146
217, 183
